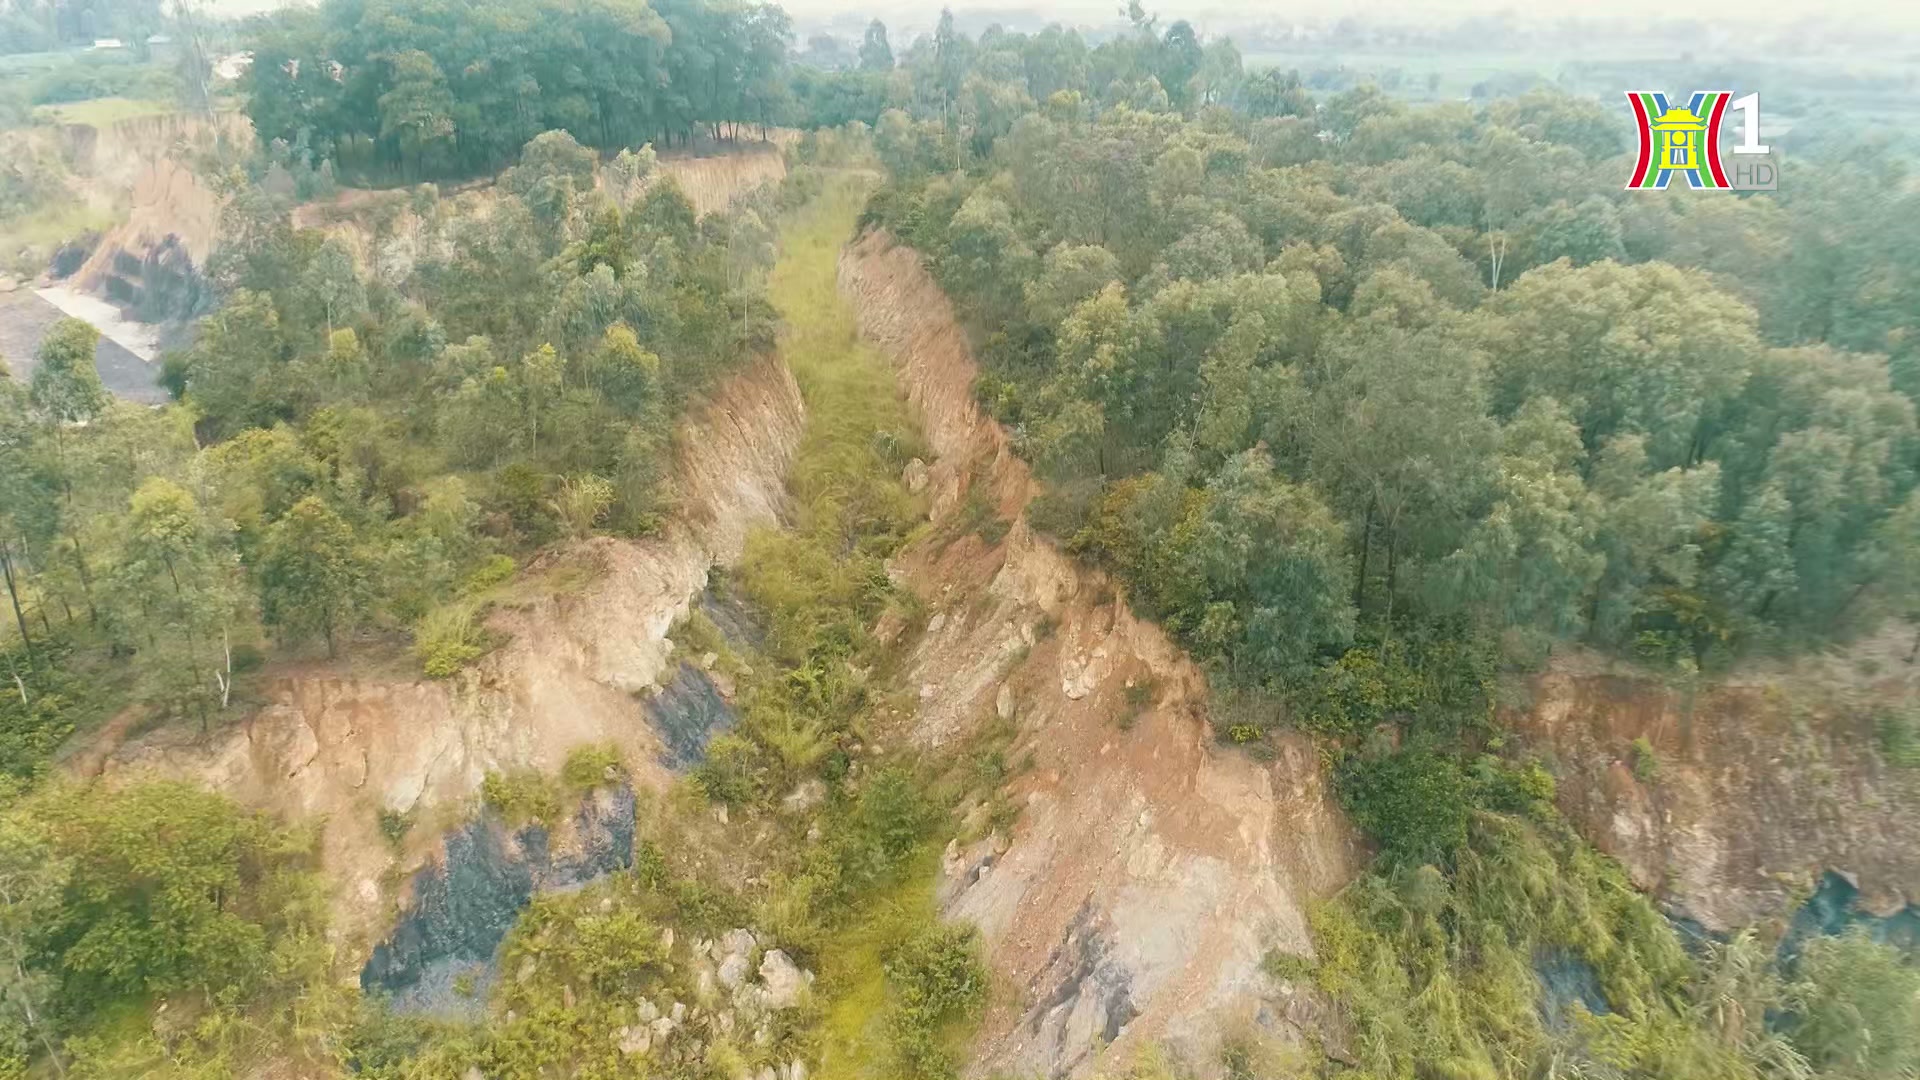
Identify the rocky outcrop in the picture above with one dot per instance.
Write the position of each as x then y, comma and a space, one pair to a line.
726, 1001
1753, 788
1150, 869
337, 743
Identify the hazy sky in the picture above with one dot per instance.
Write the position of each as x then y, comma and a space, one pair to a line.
1902, 13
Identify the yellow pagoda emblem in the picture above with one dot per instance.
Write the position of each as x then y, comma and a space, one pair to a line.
1679, 139
1681, 135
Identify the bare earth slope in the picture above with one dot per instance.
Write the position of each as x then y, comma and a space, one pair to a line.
1756, 786
344, 747
1150, 870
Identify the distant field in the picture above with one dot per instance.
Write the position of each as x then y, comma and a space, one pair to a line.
101, 112
40, 61
1458, 72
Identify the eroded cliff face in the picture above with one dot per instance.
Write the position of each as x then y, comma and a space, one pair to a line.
1149, 870
343, 746
151, 261
1755, 786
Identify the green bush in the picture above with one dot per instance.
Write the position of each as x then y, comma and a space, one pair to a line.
449, 638
395, 825
521, 796
936, 979
1855, 1009
161, 888
493, 570
589, 767
1347, 696
731, 772
1646, 763
1526, 789
1413, 803
1435, 969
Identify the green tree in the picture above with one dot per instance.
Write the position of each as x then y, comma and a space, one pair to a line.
1529, 562
310, 574
169, 888
1274, 561
875, 53
66, 387
26, 495
1070, 275
332, 284
416, 114
173, 585
1647, 349
1650, 527
65, 391
33, 881
541, 374
1397, 430
237, 374
555, 172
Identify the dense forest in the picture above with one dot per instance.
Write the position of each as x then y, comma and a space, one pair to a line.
34, 25
422, 92
1437, 353
1370, 405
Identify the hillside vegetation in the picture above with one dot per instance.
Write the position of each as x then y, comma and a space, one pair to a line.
1372, 407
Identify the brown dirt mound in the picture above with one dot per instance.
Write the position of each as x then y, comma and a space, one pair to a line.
1150, 869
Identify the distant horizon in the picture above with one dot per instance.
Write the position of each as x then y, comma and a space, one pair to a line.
1759, 14
1730, 14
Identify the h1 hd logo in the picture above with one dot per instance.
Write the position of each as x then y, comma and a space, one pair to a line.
1684, 141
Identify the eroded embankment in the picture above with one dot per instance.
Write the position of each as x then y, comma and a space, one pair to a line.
1150, 870
335, 745
713, 175
152, 261
1743, 793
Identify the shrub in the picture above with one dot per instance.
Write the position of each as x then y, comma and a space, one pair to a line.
581, 503
731, 772
1856, 1008
891, 814
1349, 695
1526, 789
448, 639
521, 796
1646, 764
936, 978
394, 825
1414, 804
589, 767
167, 888
494, 570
